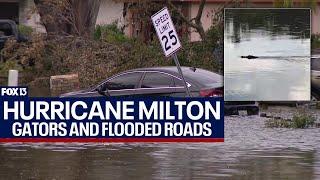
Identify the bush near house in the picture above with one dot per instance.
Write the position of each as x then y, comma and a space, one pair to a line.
95, 59
25, 30
110, 33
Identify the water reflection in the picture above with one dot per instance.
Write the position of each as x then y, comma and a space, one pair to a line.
272, 22
281, 38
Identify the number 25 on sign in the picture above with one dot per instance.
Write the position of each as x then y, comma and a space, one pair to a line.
166, 32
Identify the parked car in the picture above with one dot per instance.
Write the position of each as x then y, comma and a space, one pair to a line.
164, 81
9, 29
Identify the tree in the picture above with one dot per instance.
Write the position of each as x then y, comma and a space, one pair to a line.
283, 3
194, 22
68, 17
290, 3
147, 7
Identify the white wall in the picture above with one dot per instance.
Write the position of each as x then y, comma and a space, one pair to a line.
315, 19
109, 12
206, 19
28, 16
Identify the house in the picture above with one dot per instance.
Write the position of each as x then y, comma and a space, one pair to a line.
110, 11
113, 11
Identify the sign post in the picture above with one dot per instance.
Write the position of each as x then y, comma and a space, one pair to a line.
175, 58
169, 39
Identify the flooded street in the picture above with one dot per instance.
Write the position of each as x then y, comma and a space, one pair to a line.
250, 151
281, 41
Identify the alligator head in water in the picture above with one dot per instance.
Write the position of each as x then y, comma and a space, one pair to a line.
249, 57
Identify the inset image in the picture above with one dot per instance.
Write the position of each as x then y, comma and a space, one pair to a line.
266, 54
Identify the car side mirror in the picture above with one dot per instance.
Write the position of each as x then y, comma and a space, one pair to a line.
102, 91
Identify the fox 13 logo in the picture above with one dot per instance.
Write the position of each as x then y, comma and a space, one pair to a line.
13, 91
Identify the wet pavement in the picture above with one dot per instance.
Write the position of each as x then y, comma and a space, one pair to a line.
250, 151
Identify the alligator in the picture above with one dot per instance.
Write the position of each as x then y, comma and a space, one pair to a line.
250, 57
277, 57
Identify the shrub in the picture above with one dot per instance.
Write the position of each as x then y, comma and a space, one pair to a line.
110, 33
303, 120
25, 30
95, 59
300, 120
277, 123
6, 66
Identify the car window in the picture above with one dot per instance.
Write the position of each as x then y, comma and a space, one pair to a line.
124, 81
178, 82
153, 80
203, 77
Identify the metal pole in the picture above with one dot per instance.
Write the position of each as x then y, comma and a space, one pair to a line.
13, 78
175, 58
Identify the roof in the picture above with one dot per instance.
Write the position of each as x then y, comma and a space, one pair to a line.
169, 69
190, 73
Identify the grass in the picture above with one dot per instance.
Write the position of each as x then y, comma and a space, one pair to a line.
301, 120
25, 30
277, 123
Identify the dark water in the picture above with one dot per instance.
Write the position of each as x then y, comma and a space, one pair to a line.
251, 151
281, 40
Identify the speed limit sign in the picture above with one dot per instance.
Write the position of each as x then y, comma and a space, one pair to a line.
166, 32
169, 40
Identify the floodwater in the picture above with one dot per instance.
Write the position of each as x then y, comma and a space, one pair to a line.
281, 40
250, 151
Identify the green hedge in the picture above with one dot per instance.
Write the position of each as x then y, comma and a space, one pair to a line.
108, 53
110, 33
25, 30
